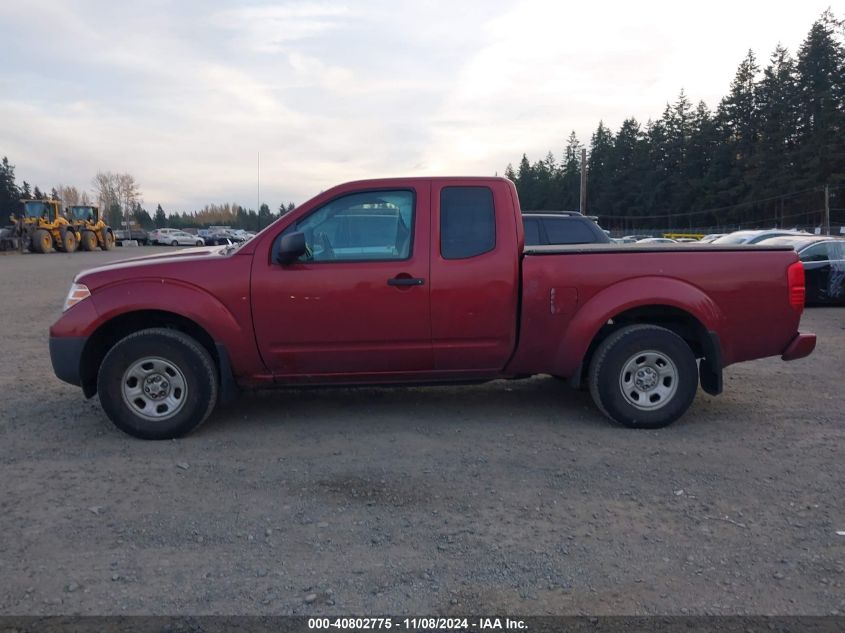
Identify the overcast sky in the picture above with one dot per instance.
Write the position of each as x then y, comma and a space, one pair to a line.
184, 94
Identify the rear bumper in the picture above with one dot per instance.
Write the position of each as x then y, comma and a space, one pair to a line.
802, 345
66, 357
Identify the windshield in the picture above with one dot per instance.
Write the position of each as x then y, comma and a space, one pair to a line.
82, 213
36, 209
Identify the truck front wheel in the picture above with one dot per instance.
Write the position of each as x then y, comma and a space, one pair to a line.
157, 384
643, 376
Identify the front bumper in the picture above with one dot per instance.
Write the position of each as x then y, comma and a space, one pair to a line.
802, 345
66, 356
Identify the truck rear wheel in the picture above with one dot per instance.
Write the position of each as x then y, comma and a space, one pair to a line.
89, 241
643, 376
157, 384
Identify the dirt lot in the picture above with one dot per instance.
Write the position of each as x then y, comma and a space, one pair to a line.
508, 497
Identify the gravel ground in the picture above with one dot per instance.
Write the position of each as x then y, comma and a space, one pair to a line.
511, 497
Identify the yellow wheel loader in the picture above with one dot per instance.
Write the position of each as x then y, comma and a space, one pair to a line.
41, 227
91, 228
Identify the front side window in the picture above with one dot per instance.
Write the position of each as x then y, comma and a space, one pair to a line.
366, 226
467, 222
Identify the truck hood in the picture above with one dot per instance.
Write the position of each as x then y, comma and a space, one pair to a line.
158, 265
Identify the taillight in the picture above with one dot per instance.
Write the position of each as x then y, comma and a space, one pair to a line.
797, 290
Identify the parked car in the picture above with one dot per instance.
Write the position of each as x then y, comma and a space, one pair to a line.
181, 238
140, 235
561, 227
219, 238
707, 239
410, 280
754, 237
159, 236
656, 240
824, 266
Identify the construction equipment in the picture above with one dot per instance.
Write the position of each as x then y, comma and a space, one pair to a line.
91, 227
41, 227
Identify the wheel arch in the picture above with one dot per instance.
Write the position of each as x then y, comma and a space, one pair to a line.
116, 328
674, 304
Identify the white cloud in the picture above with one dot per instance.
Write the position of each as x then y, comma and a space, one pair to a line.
184, 96
271, 28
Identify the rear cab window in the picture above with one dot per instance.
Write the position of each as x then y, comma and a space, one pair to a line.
467, 222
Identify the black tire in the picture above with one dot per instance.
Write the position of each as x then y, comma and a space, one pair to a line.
69, 242
89, 241
174, 243
175, 348
200, 243
108, 241
608, 375
42, 241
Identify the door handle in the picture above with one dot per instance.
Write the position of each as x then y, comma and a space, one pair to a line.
405, 281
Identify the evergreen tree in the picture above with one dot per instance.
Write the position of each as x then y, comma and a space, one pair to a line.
760, 158
9, 193
160, 218
26, 191
821, 113
600, 168
37, 194
570, 176
630, 166
777, 96
264, 216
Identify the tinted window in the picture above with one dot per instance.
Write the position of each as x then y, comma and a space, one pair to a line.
568, 231
532, 232
467, 222
815, 253
361, 226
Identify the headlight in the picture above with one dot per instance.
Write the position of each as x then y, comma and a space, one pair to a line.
77, 293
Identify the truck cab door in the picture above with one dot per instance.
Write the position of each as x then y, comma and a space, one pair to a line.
357, 303
476, 234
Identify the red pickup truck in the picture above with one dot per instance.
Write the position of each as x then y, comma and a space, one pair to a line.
421, 280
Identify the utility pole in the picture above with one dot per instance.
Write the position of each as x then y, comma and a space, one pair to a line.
826, 226
584, 181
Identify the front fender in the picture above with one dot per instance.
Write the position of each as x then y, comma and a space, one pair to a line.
626, 295
187, 300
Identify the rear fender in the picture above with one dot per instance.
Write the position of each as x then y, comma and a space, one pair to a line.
626, 295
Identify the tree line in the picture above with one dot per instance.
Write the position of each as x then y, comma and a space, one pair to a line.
761, 158
119, 197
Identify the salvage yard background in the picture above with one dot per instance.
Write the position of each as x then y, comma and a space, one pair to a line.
509, 497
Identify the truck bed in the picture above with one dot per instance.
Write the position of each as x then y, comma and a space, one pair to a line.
569, 291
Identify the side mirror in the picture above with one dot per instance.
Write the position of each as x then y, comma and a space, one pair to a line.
291, 248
